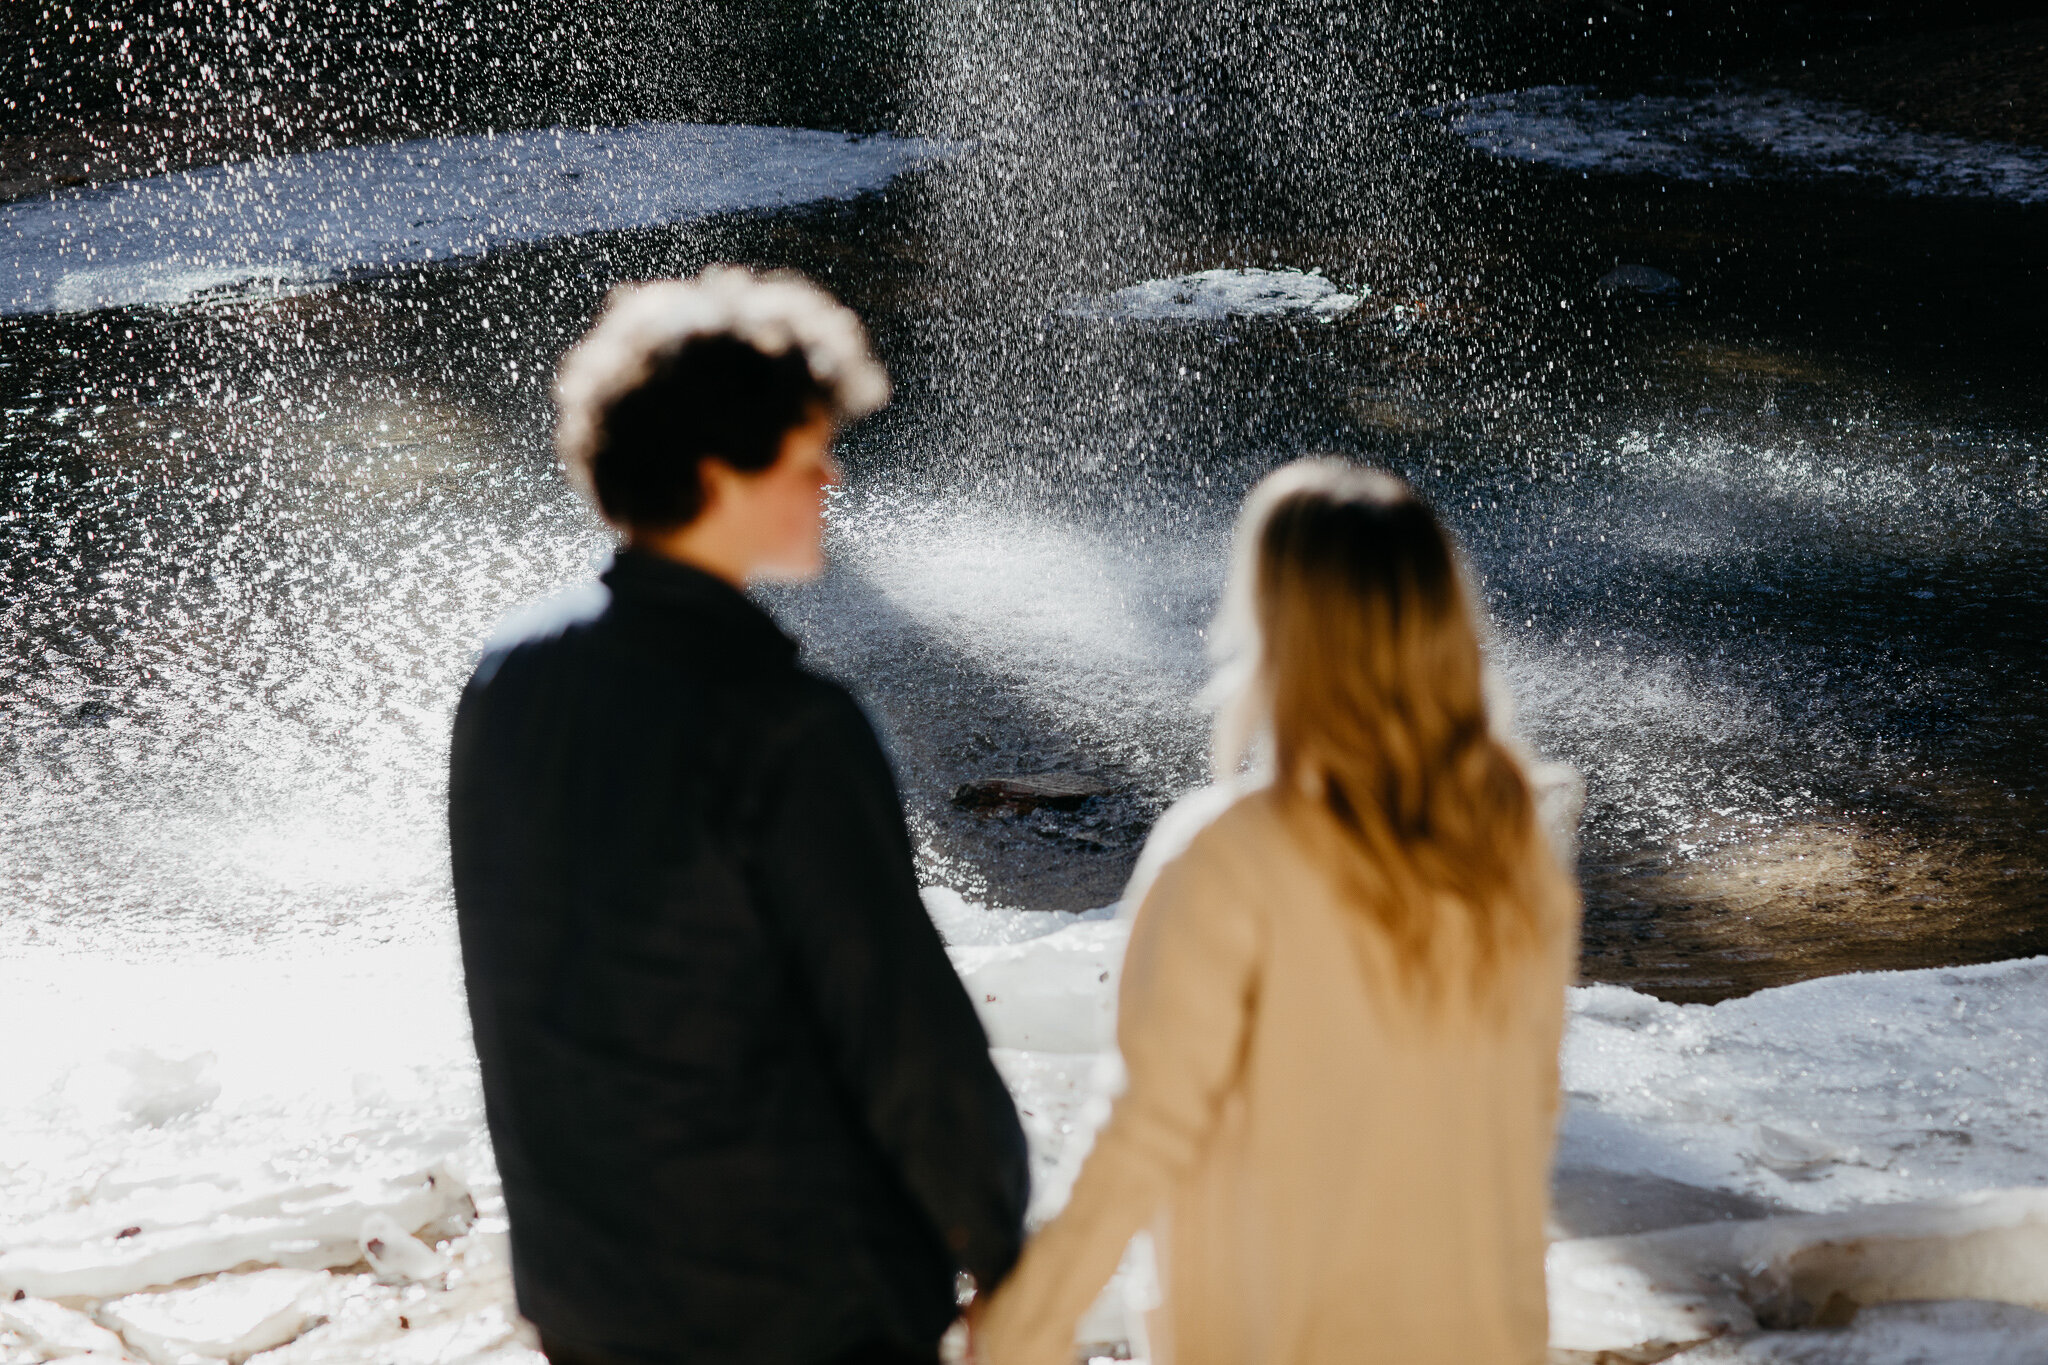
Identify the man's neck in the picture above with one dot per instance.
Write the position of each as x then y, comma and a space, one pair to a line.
697, 545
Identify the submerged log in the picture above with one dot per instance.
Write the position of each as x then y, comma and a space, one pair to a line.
1020, 794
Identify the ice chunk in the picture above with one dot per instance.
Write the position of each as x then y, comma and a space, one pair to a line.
164, 1088
466, 1312
1216, 295
227, 1318
1050, 994
427, 1333
395, 1254
306, 1227
1794, 1156
51, 1330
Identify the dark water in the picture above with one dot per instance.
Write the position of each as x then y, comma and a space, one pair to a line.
1764, 557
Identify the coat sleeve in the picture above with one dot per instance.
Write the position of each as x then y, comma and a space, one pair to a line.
905, 1043
1182, 1015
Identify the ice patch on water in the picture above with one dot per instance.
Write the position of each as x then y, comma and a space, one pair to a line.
275, 221
1216, 295
1709, 135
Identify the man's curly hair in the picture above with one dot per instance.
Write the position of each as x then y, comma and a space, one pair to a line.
721, 366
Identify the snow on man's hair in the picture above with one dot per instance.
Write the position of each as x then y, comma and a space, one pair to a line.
642, 324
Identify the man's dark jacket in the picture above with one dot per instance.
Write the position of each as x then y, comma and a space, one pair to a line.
743, 1109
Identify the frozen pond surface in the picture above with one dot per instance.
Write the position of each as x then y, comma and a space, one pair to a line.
277, 221
1777, 598
1709, 134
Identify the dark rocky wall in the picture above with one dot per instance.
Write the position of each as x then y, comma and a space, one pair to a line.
425, 65
1498, 44
98, 88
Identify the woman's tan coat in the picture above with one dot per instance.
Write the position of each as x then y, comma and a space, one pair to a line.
1332, 1173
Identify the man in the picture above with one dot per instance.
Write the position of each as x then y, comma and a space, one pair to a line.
742, 1106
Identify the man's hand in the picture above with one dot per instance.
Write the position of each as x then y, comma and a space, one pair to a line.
971, 1320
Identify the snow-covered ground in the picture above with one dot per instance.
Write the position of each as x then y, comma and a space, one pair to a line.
1709, 134
164, 1123
283, 220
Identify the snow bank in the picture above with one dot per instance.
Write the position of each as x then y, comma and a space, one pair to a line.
1878, 1087
1217, 295
232, 1316
322, 215
289, 1110
1706, 134
1965, 1333
1692, 1284
184, 1230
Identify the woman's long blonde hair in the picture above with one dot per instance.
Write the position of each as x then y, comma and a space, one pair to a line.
1349, 647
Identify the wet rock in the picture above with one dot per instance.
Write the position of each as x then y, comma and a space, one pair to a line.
1392, 413
91, 713
1639, 279
1022, 793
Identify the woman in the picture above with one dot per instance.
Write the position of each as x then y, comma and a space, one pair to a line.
1343, 999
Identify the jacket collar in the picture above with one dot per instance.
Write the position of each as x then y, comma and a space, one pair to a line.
698, 601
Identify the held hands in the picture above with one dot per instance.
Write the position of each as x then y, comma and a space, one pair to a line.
962, 1343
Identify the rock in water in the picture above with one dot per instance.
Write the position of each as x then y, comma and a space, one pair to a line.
1639, 279
1022, 793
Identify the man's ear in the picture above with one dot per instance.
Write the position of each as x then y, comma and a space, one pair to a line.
715, 478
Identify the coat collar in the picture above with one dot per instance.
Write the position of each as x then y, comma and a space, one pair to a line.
690, 595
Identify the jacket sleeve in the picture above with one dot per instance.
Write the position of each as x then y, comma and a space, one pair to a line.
1182, 1014
841, 896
